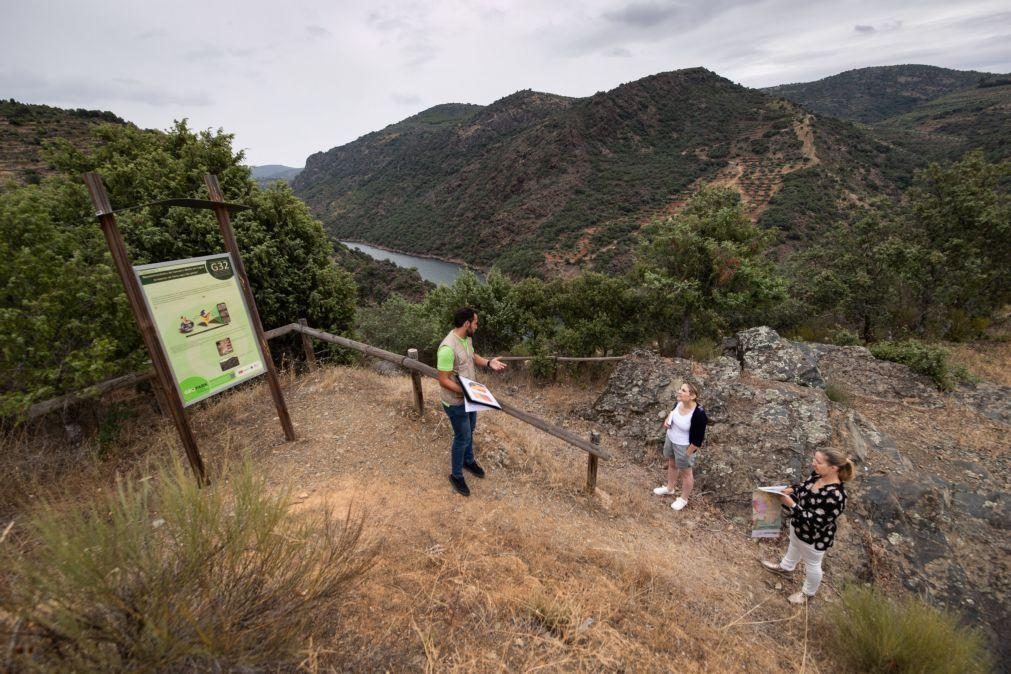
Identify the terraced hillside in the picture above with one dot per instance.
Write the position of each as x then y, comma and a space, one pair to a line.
24, 128
537, 183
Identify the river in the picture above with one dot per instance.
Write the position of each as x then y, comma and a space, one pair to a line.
438, 272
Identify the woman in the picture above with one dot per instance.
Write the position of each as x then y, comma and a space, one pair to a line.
815, 505
686, 431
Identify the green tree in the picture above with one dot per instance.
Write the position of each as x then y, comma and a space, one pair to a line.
704, 271
859, 275
961, 216
64, 320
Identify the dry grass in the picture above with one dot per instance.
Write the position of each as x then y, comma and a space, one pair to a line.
529, 574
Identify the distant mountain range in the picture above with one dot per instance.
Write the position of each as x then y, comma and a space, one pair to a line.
547, 184
873, 94
268, 173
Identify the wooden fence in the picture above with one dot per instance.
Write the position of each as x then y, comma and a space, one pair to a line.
410, 362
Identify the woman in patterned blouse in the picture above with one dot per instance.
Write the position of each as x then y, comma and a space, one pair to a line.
814, 504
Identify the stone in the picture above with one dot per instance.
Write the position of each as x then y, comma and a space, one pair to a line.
763, 353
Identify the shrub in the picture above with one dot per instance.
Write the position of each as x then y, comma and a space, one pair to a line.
163, 576
928, 360
844, 337
873, 634
837, 394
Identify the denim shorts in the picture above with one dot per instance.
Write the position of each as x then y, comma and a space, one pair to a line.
679, 453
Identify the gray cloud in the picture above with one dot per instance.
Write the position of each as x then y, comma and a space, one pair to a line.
618, 52
204, 53
643, 15
102, 94
638, 22
406, 99
863, 29
318, 31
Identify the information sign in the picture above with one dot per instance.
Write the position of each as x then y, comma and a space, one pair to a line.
203, 324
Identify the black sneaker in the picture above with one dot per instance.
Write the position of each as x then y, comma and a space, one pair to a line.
477, 470
460, 485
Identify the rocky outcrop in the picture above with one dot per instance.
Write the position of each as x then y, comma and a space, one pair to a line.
925, 510
767, 355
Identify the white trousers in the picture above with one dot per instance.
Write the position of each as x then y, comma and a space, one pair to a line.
799, 551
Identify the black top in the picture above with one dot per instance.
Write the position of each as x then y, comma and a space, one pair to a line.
815, 513
697, 431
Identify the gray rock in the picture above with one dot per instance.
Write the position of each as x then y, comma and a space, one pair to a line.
765, 354
991, 400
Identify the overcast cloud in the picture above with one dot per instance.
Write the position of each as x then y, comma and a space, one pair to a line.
290, 79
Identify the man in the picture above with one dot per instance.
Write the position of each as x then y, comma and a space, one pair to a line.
456, 357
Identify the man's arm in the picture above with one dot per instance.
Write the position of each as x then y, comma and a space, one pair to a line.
492, 364
447, 381
444, 360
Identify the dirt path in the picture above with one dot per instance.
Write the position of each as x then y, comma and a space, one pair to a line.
529, 571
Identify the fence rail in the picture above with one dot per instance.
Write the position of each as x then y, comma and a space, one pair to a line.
591, 447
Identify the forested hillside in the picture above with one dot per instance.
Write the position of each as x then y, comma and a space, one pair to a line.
537, 183
873, 94
25, 127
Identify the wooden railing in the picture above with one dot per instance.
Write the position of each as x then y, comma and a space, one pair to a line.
410, 362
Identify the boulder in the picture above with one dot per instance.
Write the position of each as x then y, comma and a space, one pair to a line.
923, 512
765, 354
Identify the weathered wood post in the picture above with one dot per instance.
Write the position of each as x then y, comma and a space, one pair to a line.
419, 396
591, 464
145, 322
310, 353
228, 235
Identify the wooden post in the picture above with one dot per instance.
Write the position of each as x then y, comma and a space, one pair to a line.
221, 212
419, 395
310, 354
591, 465
121, 260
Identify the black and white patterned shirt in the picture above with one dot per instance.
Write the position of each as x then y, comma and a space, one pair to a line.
815, 513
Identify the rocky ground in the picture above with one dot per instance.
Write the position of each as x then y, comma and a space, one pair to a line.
930, 507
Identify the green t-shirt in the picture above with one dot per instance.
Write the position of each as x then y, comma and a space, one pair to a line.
445, 357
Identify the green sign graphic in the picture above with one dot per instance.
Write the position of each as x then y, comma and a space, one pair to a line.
202, 323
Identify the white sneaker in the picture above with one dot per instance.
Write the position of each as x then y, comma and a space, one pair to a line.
679, 503
663, 491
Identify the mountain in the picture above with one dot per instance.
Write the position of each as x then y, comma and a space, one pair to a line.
949, 126
24, 127
539, 183
873, 94
270, 172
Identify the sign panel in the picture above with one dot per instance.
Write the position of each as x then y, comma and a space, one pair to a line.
203, 324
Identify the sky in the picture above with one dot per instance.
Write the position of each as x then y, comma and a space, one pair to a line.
292, 78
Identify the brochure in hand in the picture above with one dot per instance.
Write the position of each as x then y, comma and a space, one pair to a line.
477, 397
766, 515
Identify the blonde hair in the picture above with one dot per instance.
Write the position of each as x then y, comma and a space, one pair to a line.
839, 459
694, 390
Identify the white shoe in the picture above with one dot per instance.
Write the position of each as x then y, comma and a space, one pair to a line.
663, 491
679, 503
798, 598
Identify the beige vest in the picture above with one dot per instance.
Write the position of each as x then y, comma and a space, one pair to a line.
463, 364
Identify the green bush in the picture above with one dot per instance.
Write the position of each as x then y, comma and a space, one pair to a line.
873, 634
837, 394
161, 575
926, 359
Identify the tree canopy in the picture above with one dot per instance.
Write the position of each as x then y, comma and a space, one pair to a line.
64, 319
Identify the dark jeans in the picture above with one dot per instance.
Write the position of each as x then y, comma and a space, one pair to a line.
463, 436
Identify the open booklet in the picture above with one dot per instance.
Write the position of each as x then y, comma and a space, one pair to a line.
776, 489
477, 397
766, 515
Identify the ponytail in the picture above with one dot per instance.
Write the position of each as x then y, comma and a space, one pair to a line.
839, 459
847, 471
